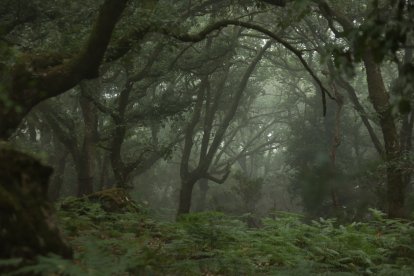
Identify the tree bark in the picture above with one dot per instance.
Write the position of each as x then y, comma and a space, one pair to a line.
58, 174
380, 100
26, 87
184, 204
208, 151
86, 161
201, 203
118, 165
360, 109
335, 143
27, 227
104, 182
121, 169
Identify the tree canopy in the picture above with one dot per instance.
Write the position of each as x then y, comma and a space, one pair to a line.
241, 107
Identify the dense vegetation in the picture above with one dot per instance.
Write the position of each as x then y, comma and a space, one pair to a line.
259, 137
211, 243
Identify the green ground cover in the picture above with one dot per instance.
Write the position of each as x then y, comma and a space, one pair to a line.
131, 242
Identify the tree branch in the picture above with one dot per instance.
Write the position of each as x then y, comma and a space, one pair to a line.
232, 108
329, 13
220, 180
224, 23
362, 113
279, 3
59, 79
28, 87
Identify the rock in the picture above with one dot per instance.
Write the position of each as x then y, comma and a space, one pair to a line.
111, 200
27, 222
114, 200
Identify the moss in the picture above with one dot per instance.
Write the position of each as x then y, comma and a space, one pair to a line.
26, 215
114, 200
111, 200
7, 201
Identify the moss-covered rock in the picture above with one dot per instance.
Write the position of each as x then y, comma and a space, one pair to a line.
114, 200
27, 223
111, 200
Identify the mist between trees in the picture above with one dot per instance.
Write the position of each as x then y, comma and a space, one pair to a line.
249, 108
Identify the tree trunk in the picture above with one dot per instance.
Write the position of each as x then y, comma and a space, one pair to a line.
117, 163
406, 151
335, 143
85, 184
104, 181
57, 180
380, 100
87, 154
25, 88
186, 193
362, 113
406, 133
201, 204
27, 227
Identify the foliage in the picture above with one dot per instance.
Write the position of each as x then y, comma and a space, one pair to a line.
215, 244
159, 77
249, 190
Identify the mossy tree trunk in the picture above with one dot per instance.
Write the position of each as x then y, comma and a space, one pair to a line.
25, 87
27, 226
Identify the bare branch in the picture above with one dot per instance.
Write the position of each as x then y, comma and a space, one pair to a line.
331, 14
224, 23
220, 180
101, 107
279, 3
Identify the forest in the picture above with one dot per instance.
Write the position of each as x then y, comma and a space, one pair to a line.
206, 137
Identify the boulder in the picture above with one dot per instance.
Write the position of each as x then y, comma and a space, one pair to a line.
27, 222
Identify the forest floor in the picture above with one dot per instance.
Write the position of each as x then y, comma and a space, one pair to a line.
130, 242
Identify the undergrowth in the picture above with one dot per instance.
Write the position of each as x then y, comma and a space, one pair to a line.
131, 243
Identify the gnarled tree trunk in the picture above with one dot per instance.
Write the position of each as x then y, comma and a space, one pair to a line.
380, 100
86, 160
27, 227
184, 204
57, 179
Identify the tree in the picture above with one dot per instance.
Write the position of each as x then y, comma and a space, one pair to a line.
31, 80
208, 149
380, 98
24, 84
79, 140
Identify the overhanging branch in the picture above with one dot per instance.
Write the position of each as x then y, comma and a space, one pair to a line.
224, 23
61, 78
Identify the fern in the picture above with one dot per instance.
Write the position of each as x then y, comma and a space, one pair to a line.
132, 243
